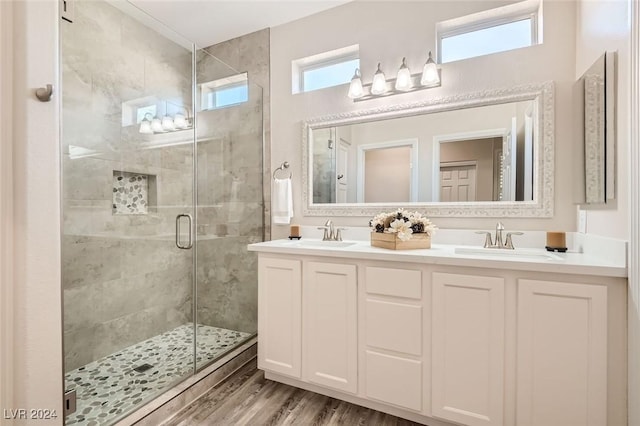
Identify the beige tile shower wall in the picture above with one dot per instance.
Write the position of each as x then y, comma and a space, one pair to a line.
231, 185
124, 280
387, 31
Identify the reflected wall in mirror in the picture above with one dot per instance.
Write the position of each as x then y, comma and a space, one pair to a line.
474, 154
490, 150
599, 130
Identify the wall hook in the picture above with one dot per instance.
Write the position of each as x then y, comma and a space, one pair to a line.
44, 93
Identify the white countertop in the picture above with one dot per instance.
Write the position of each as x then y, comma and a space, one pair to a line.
526, 259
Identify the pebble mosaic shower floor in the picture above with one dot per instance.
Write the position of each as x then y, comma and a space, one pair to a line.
110, 386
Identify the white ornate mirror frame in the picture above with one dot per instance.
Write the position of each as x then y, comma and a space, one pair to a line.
543, 172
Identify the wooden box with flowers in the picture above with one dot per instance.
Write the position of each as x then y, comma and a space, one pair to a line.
401, 230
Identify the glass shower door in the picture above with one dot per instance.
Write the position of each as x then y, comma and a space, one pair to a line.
230, 207
128, 206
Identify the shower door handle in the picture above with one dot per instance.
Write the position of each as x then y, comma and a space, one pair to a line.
190, 240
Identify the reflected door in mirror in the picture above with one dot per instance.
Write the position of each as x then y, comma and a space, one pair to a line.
457, 183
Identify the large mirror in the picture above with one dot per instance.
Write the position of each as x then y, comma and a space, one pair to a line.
468, 155
599, 130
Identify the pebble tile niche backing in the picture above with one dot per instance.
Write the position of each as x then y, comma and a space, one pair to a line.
130, 193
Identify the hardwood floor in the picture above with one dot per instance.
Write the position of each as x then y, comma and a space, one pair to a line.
247, 398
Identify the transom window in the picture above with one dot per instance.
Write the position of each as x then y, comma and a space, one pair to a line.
491, 31
324, 70
225, 92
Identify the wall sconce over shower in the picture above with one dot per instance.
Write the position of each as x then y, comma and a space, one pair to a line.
403, 83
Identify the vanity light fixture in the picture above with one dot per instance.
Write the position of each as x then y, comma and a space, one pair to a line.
403, 80
430, 76
167, 124
379, 85
145, 124
403, 83
156, 125
355, 88
180, 121
151, 125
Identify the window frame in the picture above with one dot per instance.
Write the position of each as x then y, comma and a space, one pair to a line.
299, 67
324, 64
209, 89
531, 9
212, 95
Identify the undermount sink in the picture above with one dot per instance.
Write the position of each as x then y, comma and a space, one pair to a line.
322, 244
517, 254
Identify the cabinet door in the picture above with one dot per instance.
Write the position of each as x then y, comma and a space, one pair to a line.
330, 325
468, 349
279, 315
562, 354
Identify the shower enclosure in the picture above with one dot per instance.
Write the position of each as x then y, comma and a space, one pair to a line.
162, 175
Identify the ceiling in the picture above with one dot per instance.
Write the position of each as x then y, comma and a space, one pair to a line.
208, 22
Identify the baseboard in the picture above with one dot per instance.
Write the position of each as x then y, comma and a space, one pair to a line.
353, 399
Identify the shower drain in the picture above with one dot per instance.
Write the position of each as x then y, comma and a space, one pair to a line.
142, 368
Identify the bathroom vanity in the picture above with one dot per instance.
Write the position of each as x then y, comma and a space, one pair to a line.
450, 335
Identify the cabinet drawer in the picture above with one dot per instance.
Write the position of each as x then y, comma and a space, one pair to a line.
394, 282
394, 326
394, 380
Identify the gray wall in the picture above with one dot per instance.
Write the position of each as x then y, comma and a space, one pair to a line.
123, 278
251, 53
232, 184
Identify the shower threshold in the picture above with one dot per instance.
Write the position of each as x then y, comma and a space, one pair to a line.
117, 384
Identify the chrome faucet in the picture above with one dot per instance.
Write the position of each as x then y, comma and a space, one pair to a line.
330, 232
499, 244
498, 240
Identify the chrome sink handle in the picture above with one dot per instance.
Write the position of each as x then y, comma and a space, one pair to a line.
487, 241
508, 244
338, 234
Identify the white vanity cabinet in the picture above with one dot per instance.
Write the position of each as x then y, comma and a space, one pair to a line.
468, 344
392, 335
447, 345
317, 343
562, 354
329, 325
280, 315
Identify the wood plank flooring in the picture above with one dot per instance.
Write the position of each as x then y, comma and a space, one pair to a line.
247, 398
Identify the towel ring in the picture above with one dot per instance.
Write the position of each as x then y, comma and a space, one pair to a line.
282, 167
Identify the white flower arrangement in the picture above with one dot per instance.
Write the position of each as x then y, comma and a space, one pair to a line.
403, 224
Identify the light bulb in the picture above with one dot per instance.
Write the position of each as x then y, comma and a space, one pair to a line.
180, 122
355, 88
430, 76
403, 81
145, 125
156, 125
167, 124
379, 85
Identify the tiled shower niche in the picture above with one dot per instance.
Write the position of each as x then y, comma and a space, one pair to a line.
133, 193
